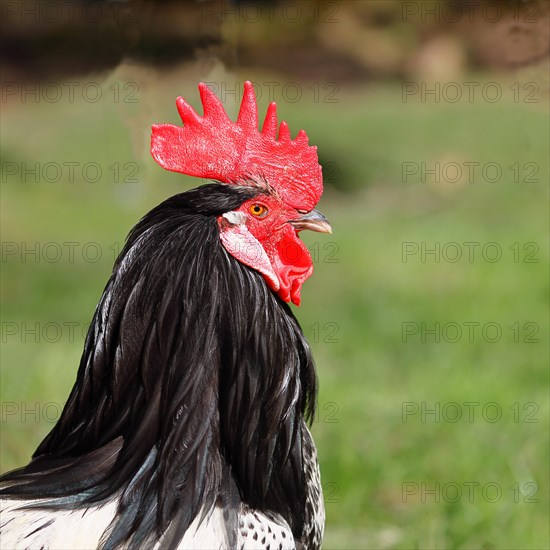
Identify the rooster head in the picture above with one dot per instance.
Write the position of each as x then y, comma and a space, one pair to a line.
263, 232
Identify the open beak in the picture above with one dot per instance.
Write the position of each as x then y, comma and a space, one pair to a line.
314, 221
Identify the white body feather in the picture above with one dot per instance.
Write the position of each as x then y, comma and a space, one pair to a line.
82, 529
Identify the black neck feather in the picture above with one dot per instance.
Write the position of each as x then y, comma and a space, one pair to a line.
195, 379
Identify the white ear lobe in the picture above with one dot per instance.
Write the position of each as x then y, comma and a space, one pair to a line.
242, 245
235, 218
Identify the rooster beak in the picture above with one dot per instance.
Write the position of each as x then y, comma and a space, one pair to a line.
314, 221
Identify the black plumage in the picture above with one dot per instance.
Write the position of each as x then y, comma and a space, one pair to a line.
192, 391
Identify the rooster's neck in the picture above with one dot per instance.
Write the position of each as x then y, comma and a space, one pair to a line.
194, 377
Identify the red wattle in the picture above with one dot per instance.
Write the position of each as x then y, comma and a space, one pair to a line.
292, 263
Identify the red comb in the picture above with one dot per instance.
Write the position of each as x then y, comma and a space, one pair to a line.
212, 146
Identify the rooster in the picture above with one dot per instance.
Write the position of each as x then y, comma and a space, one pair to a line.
187, 424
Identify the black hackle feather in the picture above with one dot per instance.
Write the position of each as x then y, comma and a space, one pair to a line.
192, 388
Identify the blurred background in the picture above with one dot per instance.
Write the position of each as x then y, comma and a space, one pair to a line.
428, 308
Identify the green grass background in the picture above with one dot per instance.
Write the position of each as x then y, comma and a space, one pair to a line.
353, 308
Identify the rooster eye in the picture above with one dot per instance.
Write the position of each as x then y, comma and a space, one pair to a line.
259, 210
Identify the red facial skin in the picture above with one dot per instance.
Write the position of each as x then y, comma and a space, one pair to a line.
264, 240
